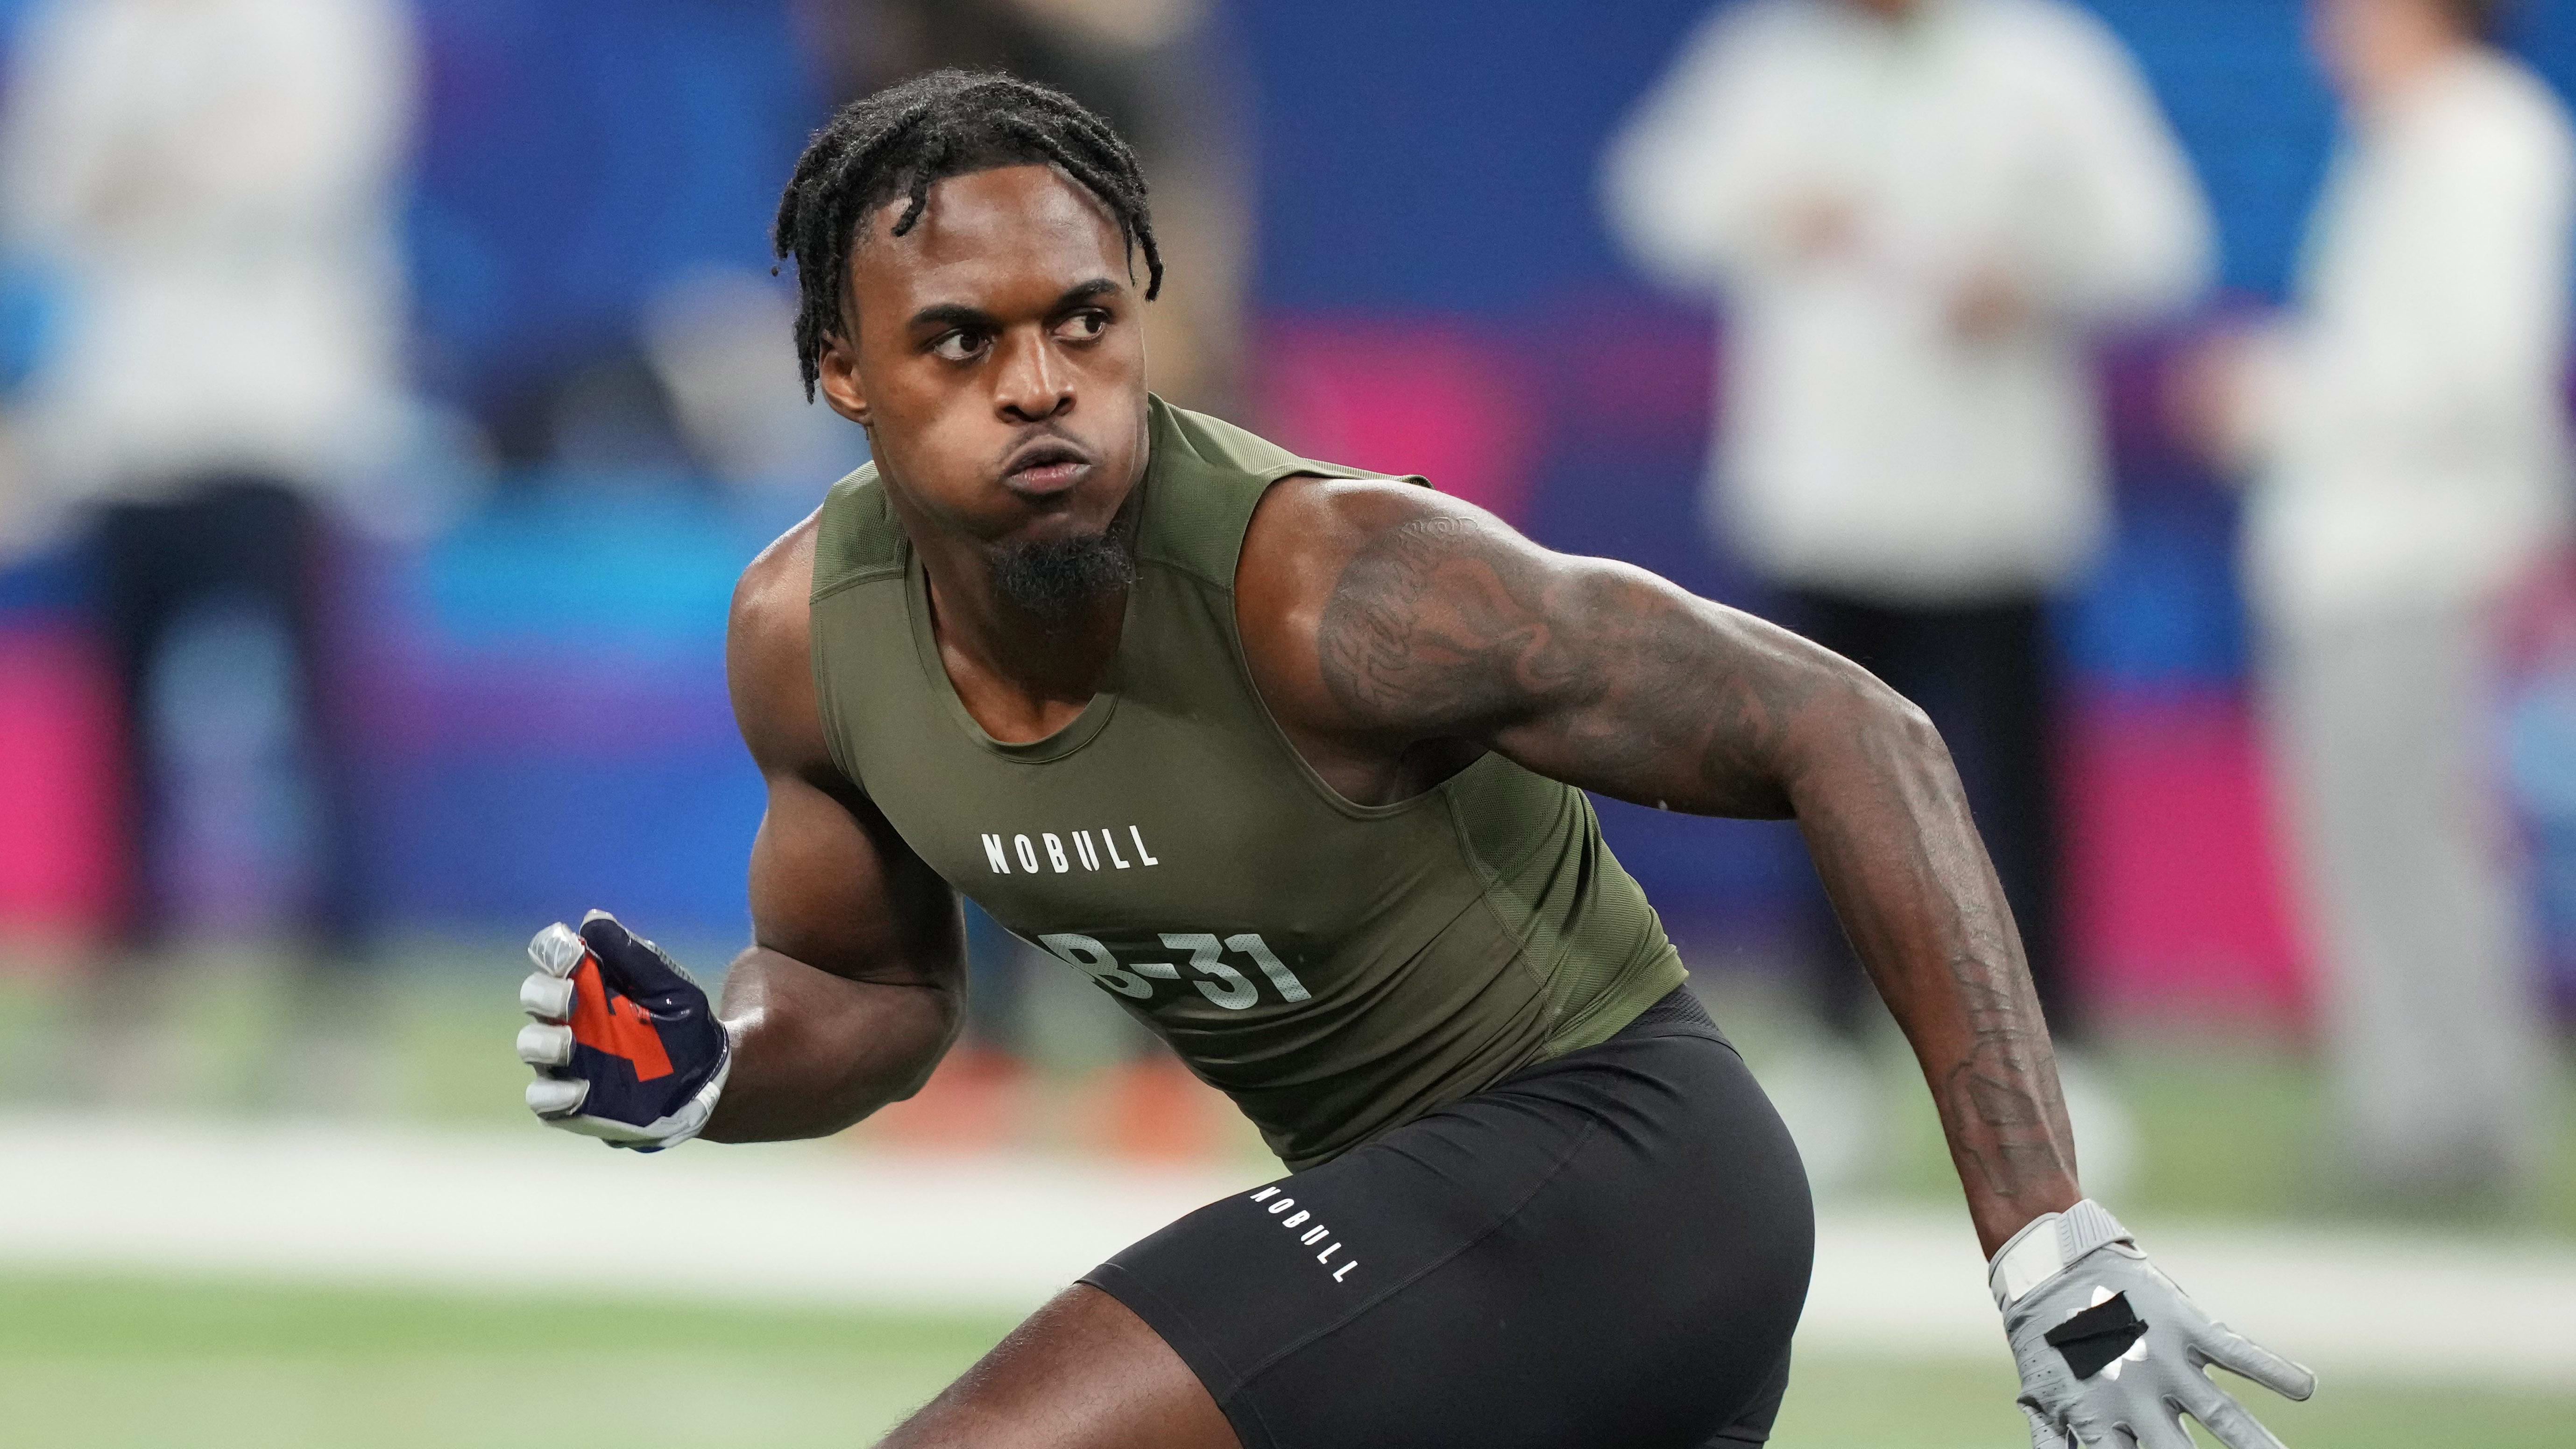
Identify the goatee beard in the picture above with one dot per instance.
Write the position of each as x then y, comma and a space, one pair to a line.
1056, 581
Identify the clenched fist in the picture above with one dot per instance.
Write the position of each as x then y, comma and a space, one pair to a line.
627, 1048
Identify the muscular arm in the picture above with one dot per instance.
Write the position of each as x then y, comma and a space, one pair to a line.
853, 987
1387, 624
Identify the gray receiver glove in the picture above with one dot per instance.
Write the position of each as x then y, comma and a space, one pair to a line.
2111, 1352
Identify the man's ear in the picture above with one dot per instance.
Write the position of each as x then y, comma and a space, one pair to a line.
837, 374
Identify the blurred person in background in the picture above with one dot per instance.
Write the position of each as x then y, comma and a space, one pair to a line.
213, 182
2404, 434
1918, 213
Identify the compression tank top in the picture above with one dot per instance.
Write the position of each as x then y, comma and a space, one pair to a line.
1335, 968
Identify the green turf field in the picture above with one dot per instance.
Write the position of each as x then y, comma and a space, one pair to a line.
2228, 1129
88, 1363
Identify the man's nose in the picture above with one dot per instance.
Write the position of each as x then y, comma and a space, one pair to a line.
1032, 384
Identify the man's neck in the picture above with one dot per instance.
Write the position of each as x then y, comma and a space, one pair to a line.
1022, 675
2403, 70
1048, 654
1897, 13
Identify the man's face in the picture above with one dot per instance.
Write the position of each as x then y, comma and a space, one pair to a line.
2366, 45
998, 361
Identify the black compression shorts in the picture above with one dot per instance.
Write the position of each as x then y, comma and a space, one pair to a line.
1608, 1249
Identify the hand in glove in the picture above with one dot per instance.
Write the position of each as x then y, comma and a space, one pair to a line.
627, 1048
2111, 1352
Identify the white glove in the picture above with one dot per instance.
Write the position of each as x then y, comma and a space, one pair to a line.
2111, 1352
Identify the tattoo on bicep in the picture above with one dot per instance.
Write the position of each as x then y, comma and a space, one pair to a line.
1429, 622
1440, 626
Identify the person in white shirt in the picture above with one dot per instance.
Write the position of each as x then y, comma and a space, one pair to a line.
216, 183
2405, 437
1919, 213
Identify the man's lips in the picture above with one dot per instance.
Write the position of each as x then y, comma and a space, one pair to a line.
1045, 468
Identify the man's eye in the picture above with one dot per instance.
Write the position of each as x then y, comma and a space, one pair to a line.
958, 347
1083, 326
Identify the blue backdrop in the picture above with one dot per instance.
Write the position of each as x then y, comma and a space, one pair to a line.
1433, 159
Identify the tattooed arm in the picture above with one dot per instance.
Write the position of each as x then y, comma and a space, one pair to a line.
1397, 634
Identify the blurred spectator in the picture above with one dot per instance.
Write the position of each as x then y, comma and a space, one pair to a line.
575, 159
2406, 435
213, 182
712, 337
1918, 213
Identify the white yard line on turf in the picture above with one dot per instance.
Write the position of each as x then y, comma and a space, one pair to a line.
538, 1211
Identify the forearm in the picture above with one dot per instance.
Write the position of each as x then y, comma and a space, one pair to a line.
1888, 825
815, 1052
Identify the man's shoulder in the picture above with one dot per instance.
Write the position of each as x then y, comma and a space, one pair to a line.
1307, 535
2053, 29
1211, 481
1209, 440
773, 595
768, 655
1204, 442
854, 535
2063, 67
2490, 105
1307, 526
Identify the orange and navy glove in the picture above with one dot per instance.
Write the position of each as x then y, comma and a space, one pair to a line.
627, 1048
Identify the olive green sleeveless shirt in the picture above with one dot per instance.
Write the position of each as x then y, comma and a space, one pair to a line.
1335, 968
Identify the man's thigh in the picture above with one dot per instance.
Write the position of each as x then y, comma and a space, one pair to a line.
1083, 1373
1608, 1249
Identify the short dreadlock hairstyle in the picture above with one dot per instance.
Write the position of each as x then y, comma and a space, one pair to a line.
902, 140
